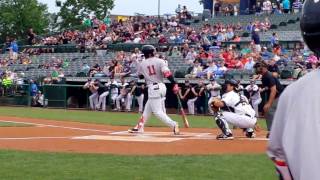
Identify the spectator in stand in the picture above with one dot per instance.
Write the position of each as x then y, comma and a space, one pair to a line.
256, 40
273, 68
175, 52
221, 69
250, 64
274, 40
209, 72
230, 34
85, 68
196, 70
14, 50
31, 37
191, 56
297, 6
34, 88
267, 7
217, 7
286, 6
258, 9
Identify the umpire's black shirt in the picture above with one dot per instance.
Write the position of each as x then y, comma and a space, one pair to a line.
268, 81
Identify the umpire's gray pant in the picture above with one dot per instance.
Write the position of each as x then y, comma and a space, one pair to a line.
270, 114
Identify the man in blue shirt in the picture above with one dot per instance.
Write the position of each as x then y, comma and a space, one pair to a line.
286, 6
14, 50
34, 88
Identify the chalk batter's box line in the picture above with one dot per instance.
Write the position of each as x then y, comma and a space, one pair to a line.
56, 126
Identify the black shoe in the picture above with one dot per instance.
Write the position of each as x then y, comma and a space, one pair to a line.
268, 135
135, 130
225, 137
250, 134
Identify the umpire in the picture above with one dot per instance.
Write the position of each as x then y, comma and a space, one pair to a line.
273, 88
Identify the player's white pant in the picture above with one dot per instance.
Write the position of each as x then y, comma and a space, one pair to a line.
155, 105
102, 100
255, 104
190, 104
140, 102
113, 98
129, 101
209, 103
93, 100
241, 121
118, 99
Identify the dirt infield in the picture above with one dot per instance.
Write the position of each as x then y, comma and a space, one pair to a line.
60, 136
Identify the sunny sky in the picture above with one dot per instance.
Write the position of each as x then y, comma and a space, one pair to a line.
149, 7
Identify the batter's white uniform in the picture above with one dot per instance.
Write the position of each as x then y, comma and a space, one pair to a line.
295, 132
214, 89
255, 97
238, 113
153, 69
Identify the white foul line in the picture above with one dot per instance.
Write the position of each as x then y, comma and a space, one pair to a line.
56, 126
34, 138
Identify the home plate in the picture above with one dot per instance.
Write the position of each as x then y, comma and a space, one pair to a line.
128, 138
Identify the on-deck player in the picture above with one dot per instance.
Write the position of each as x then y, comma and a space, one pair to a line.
294, 139
154, 70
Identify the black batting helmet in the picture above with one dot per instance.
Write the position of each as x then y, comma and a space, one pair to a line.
310, 23
148, 50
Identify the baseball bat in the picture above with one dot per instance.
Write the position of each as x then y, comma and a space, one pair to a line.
183, 114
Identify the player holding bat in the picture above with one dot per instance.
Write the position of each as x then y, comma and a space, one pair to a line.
154, 70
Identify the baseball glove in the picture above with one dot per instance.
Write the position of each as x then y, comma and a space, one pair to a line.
213, 107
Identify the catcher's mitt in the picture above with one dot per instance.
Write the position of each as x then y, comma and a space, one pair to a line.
213, 107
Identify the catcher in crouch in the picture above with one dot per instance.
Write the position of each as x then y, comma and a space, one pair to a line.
235, 109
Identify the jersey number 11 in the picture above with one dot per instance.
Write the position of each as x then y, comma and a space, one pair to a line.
151, 70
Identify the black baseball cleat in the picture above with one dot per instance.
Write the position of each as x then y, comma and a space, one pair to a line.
135, 130
267, 136
250, 135
225, 137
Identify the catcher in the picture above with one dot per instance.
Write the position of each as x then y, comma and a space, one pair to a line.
235, 109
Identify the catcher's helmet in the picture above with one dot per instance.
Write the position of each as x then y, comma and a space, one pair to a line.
310, 23
148, 50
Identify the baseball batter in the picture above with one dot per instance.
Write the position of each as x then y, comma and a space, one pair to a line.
294, 144
154, 70
236, 110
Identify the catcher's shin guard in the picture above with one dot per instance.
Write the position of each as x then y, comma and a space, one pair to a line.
222, 124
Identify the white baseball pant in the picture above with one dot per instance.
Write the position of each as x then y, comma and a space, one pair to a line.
102, 100
241, 121
129, 101
118, 99
255, 104
155, 105
140, 102
93, 100
190, 104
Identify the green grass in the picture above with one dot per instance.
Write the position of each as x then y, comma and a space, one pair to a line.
110, 118
57, 166
9, 124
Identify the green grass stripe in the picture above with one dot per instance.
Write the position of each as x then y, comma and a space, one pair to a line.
109, 118
57, 166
